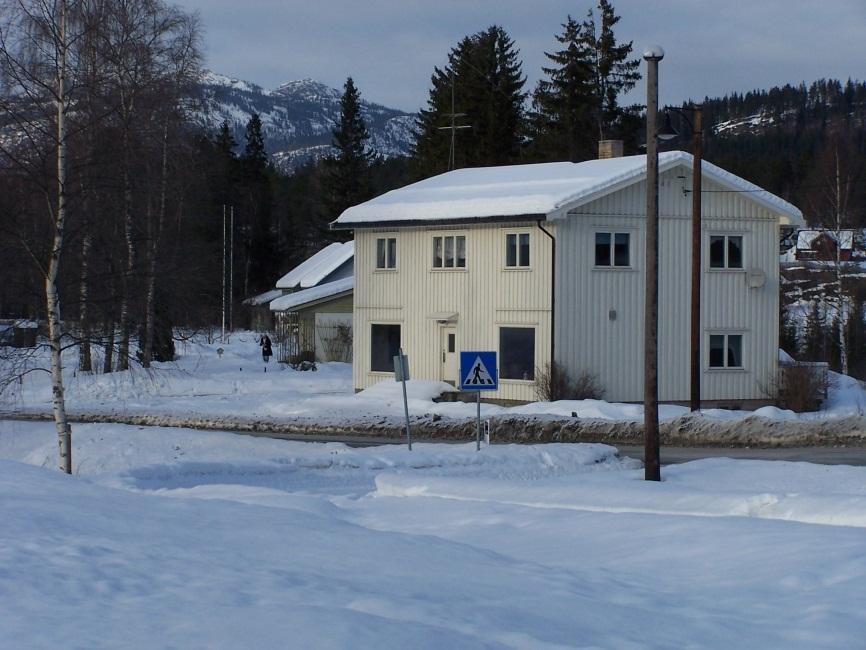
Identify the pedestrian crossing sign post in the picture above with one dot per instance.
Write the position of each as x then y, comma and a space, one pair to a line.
478, 372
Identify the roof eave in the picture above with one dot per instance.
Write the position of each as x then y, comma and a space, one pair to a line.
445, 223
316, 301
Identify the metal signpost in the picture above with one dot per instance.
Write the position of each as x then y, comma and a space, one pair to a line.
478, 372
401, 374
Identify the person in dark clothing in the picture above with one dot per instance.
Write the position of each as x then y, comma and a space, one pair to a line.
267, 351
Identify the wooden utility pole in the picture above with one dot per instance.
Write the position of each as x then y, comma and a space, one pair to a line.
697, 157
652, 471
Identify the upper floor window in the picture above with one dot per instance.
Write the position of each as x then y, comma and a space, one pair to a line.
449, 252
517, 250
386, 253
726, 251
613, 249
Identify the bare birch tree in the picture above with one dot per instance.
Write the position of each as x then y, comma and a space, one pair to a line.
37, 84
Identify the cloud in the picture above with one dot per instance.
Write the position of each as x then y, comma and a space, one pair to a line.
391, 46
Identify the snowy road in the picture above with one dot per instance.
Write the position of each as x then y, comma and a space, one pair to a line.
823, 455
173, 538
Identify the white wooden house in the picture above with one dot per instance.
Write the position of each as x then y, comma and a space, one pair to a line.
464, 261
314, 307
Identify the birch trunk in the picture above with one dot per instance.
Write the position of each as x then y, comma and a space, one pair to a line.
52, 297
150, 300
108, 361
842, 315
123, 351
85, 360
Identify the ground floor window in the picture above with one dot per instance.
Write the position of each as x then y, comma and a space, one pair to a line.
726, 350
517, 353
384, 346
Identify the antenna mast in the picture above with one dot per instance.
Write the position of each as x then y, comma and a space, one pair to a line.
453, 127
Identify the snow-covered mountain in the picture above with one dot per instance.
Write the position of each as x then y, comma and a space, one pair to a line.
297, 118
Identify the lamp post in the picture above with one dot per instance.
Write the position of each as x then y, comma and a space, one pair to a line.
668, 133
652, 466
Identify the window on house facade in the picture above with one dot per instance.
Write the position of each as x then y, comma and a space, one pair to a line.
384, 346
613, 249
386, 253
449, 252
517, 353
726, 350
517, 250
726, 251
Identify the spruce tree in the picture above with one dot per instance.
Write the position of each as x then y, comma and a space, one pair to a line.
488, 91
253, 215
347, 178
815, 335
615, 72
562, 116
225, 167
788, 337
255, 156
856, 335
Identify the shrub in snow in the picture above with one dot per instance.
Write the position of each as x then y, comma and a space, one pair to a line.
800, 387
553, 383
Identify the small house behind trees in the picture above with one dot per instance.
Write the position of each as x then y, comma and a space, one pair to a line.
314, 308
821, 244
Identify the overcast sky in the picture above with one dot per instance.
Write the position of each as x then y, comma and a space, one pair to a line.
391, 46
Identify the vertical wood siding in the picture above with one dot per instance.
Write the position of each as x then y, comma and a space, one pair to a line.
587, 338
485, 296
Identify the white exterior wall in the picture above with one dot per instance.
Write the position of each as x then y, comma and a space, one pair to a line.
587, 338
485, 296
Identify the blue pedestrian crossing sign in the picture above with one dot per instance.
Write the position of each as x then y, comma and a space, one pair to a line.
478, 371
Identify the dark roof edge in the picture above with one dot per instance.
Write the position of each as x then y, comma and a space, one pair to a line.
316, 301
409, 223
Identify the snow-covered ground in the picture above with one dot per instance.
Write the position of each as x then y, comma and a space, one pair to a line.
173, 538
235, 385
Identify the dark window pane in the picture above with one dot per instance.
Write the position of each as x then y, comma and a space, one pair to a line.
392, 253
437, 252
717, 351
602, 249
449, 251
461, 251
380, 253
735, 252
510, 250
621, 249
517, 353
452, 342
735, 351
524, 249
385, 345
717, 252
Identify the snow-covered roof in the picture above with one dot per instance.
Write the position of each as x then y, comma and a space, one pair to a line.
806, 238
315, 269
314, 294
537, 190
263, 298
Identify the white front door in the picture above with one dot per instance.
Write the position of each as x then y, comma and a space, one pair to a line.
448, 356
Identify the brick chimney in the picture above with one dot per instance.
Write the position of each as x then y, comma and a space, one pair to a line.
609, 149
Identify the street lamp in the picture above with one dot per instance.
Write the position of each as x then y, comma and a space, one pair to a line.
668, 133
652, 466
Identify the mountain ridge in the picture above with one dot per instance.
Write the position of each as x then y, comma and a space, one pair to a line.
297, 117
